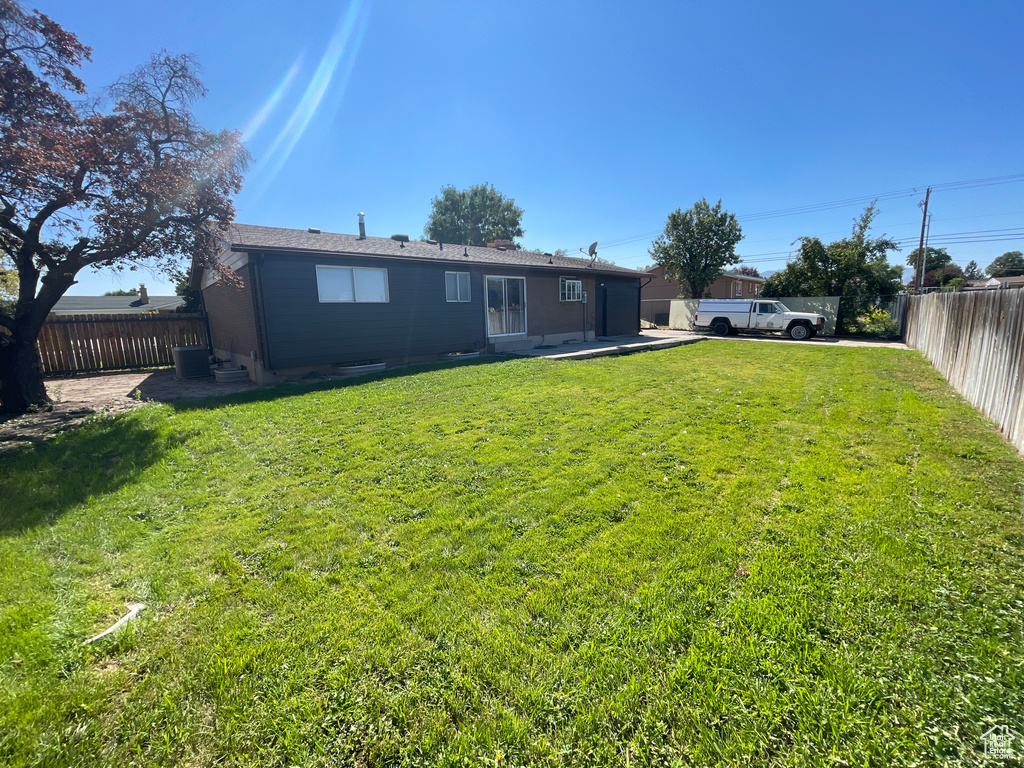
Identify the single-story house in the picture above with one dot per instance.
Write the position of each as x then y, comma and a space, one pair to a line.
143, 303
995, 283
657, 293
308, 299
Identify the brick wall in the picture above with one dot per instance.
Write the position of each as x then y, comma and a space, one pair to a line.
723, 288
232, 320
546, 314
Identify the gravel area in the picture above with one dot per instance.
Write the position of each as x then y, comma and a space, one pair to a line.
78, 398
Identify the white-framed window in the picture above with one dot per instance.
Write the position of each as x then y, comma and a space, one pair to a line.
570, 289
456, 286
738, 287
339, 285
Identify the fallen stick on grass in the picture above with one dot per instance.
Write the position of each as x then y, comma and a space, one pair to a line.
133, 611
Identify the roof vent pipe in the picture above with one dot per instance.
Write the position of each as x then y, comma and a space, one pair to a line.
362, 226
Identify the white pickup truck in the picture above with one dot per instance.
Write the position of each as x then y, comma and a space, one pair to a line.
727, 317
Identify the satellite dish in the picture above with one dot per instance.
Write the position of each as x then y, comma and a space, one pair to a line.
592, 251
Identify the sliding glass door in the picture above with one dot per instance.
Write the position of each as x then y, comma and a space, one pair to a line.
506, 305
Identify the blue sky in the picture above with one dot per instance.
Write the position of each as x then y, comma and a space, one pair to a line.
601, 118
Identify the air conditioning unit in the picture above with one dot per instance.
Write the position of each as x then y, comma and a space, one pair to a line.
191, 362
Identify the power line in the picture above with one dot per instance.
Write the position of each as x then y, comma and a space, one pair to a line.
948, 186
831, 205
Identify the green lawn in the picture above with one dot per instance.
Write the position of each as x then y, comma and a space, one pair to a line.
748, 554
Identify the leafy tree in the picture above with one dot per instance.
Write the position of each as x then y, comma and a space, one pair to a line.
973, 272
697, 245
474, 216
747, 271
854, 268
193, 296
143, 184
123, 292
8, 285
934, 258
1009, 264
943, 276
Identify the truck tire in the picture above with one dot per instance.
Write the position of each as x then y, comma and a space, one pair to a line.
720, 328
799, 332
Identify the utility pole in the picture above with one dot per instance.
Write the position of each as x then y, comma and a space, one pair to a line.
920, 250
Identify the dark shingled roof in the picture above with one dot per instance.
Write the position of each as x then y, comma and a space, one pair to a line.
248, 237
114, 304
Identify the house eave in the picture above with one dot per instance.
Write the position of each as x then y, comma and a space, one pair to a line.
456, 259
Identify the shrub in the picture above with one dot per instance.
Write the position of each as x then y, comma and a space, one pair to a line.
878, 322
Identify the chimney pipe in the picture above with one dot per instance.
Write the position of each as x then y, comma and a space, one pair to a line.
362, 227
143, 294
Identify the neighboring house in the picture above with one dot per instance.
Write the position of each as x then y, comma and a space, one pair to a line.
994, 283
310, 299
116, 305
659, 291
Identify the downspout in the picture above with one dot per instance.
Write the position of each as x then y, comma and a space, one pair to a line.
255, 263
640, 303
639, 308
584, 302
206, 322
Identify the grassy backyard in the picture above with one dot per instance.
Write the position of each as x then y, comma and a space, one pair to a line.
725, 553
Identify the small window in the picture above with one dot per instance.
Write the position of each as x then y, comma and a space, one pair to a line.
338, 285
570, 289
456, 286
765, 309
738, 287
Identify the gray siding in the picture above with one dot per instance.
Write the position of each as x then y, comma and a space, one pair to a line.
417, 320
622, 305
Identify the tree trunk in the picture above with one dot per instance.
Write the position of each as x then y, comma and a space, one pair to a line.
21, 377
841, 308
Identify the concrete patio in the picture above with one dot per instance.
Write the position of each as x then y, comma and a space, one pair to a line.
658, 338
614, 345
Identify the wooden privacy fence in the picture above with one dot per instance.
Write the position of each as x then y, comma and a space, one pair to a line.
79, 343
976, 340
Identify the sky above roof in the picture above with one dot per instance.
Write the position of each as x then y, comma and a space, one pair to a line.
600, 118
